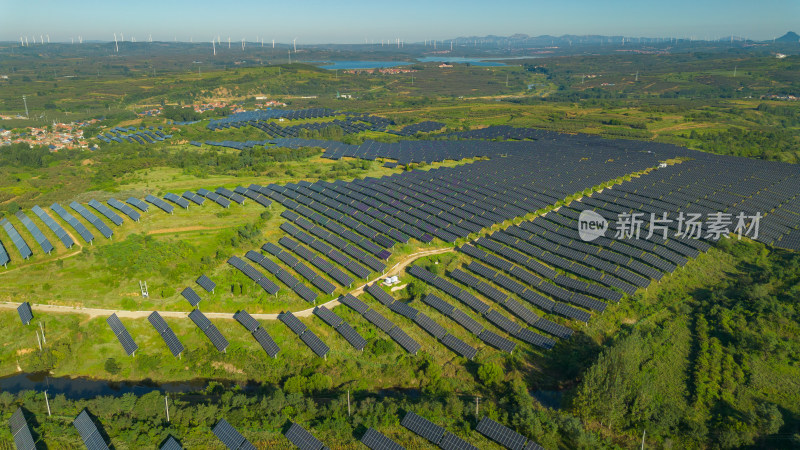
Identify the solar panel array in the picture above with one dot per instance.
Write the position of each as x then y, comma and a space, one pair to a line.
142, 206
377, 441
259, 333
54, 226
322, 264
301, 438
20, 431
342, 327
209, 329
106, 211
505, 436
25, 312
300, 289
34, 230
173, 343
160, 204
171, 444
230, 437
24, 251
423, 321
191, 296
125, 209
4, 259
306, 335
386, 325
175, 198
482, 308
214, 197
73, 222
265, 283
91, 218
206, 283
89, 433
122, 334
423, 427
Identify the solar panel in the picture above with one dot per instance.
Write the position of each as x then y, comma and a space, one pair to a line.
377, 441
437, 303
173, 343
161, 204
356, 340
142, 206
216, 337
267, 343
328, 316
229, 436
191, 296
88, 431
501, 434
304, 440
246, 320
38, 236
423, 427
206, 283
125, 209
404, 310
73, 222
292, 322
54, 227
171, 444
354, 303
122, 334
452, 442
427, 324
497, 341
23, 438
314, 343
405, 341
382, 296
375, 318
104, 210
199, 319
25, 312
305, 293
24, 251
457, 345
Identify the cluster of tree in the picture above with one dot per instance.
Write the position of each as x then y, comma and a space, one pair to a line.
770, 144
709, 371
180, 114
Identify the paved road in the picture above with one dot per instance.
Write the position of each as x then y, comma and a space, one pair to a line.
98, 312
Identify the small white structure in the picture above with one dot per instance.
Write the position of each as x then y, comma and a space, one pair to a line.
389, 281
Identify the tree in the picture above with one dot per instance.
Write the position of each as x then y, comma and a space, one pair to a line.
112, 366
490, 374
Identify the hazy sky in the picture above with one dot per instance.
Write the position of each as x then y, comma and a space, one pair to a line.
316, 21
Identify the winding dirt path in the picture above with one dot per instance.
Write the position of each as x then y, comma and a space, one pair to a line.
99, 312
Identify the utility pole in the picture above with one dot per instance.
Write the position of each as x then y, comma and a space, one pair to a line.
348, 403
39, 341
477, 401
166, 406
43, 338
24, 100
48, 404
643, 433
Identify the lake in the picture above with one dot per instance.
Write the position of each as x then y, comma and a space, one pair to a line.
360, 65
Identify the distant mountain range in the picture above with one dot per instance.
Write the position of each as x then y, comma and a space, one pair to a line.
789, 38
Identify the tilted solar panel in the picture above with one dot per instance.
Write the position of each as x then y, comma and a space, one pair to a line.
304, 440
377, 441
25, 312
423, 427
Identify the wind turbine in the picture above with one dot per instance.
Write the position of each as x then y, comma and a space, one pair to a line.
80, 39
21, 42
273, 43
214, 47
116, 46
229, 42
122, 36
48, 38
242, 44
294, 43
